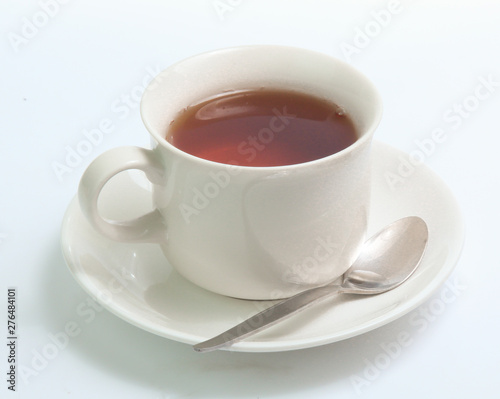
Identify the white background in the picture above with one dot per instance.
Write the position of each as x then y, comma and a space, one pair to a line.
73, 70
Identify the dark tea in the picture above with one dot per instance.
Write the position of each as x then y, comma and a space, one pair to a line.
262, 127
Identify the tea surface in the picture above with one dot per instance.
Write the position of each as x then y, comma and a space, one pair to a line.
262, 127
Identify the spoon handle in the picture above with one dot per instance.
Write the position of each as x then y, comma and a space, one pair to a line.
267, 317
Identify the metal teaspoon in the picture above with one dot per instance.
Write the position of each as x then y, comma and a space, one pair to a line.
386, 260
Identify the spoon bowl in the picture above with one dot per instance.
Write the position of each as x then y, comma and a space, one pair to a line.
388, 258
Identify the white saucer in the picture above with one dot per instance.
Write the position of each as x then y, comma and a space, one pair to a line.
135, 282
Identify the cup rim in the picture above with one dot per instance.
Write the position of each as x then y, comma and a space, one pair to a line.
360, 142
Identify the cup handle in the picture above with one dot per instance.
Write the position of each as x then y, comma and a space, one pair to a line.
149, 228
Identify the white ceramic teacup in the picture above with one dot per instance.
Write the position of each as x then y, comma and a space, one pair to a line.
248, 232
